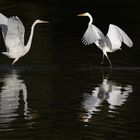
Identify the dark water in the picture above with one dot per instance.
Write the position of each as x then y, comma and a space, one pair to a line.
37, 103
59, 90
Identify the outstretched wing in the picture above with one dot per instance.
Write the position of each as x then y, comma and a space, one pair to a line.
21, 30
3, 24
92, 35
15, 32
117, 36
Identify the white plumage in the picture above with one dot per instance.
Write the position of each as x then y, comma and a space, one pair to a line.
109, 43
13, 34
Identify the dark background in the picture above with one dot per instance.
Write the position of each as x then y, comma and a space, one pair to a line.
65, 27
55, 89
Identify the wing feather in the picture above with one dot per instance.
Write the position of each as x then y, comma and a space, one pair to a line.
92, 35
21, 30
15, 33
3, 24
117, 36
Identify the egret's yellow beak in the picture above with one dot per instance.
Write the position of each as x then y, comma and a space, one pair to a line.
81, 15
45, 21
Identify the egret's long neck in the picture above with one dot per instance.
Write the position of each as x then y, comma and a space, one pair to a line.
90, 19
28, 45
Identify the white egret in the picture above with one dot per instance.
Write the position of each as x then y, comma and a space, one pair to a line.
13, 34
115, 94
109, 43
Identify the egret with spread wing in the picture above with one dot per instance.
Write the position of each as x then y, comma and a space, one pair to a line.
13, 34
109, 43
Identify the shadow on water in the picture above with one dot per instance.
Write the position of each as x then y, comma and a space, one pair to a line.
72, 104
13, 101
108, 92
12, 92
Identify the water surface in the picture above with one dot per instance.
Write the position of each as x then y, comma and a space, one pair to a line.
72, 104
59, 90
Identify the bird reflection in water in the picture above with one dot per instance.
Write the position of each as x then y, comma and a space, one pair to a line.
113, 93
13, 98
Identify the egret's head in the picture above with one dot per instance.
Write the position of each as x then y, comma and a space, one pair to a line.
41, 21
84, 14
88, 15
